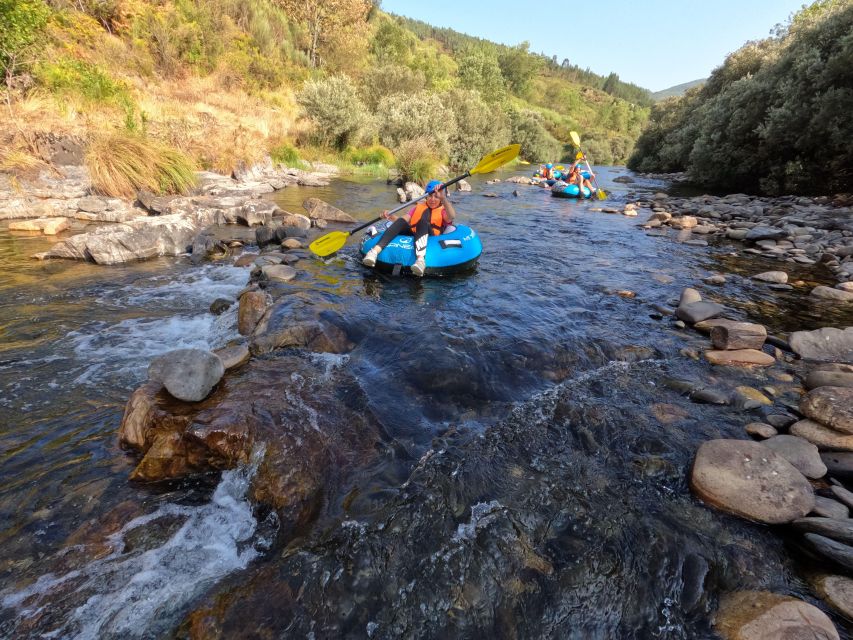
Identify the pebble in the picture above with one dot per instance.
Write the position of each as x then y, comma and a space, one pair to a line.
761, 430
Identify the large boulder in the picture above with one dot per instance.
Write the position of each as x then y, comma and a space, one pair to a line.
749, 480
187, 374
317, 209
831, 406
827, 344
761, 615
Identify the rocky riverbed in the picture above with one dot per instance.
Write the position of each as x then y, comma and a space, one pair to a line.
527, 528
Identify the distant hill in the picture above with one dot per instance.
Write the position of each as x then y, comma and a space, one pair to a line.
677, 90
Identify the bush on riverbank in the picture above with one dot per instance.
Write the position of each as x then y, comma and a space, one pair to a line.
120, 165
774, 118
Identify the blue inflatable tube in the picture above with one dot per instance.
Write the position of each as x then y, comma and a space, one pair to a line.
569, 191
453, 251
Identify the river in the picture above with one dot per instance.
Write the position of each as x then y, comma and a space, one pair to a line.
534, 453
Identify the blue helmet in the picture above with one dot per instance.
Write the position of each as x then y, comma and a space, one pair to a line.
549, 166
432, 185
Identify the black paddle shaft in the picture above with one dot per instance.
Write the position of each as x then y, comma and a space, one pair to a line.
410, 202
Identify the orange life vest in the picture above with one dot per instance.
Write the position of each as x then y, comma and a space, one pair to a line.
436, 219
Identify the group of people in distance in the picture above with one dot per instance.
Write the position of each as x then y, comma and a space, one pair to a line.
573, 175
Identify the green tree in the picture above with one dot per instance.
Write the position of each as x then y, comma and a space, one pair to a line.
420, 115
334, 108
479, 69
518, 67
21, 24
327, 21
480, 128
389, 80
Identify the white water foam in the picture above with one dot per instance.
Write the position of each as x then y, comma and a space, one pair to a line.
143, 594
196, 286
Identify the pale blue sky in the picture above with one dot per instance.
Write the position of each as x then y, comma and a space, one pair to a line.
653, 43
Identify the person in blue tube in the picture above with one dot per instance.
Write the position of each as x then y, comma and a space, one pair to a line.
426, 218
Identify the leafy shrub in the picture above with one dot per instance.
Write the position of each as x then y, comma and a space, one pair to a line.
518, 67
333, 106
389, 80
285, 154
417, 159
67, 75
376, 154
479, 69
480, 128
121, 165
422, 115
537, 145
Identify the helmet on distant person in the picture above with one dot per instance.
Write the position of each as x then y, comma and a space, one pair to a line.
549, 166
432, 185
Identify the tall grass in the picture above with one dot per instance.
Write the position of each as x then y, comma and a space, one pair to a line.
417, 159
121, 164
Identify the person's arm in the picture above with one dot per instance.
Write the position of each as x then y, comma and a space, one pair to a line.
449, 211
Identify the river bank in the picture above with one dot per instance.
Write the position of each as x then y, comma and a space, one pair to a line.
574, 416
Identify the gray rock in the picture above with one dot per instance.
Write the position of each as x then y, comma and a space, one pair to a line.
187, 374
838, 463
220, 306
697, 311
827, 344
776, 277
838, 592
316, 208
688, 296
832, 375
92, 204
829, 508
765, 233
828, 293
279, 272
840, 529
800, 453
838, 552
844, 496
710, 396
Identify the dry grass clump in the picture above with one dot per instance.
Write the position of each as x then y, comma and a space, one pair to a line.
121, 164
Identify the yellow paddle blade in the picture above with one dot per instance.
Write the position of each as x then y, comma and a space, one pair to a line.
579, 156
496, 159
576, 139
559, 167
602, 195
330, 243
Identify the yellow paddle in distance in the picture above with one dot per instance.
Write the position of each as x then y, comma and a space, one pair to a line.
328, 244
576, 140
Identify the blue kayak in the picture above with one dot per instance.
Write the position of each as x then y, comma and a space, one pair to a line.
564, 190
455, 250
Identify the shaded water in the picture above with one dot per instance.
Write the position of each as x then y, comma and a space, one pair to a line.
523, 461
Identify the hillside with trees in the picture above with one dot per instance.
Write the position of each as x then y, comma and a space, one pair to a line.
774, 118
212, 83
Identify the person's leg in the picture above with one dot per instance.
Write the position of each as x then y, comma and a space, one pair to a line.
422, 232
400, 225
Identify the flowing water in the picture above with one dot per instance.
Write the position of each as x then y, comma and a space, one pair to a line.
534, 443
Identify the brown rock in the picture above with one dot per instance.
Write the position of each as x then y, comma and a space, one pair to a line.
828, 508
831, 406
253, 305
761, 430
799, 452
316, 208
823, 437
233, 357
246, 260
837, 591
742, 335
740, 358
830, 375
828, 293
166, 459
761, 615
140, 414
749, 480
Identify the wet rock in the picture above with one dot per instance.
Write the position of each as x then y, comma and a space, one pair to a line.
624, 179
220, 306
741, 335
842, 495
668, 413
828, 508
253, 305
827, 344
187, 374
765, 233
839, 529
776, 277
316, 208
753, 395
166, 459
740, 358
838, 463
780, 421
256, 212
298, 221
688, 295
710, 396
823, 437
837, 591
291, 243
47, 226
799, 452
761, 430
706, 325
698, 311
266, 235
830, 375
138, 415
837, 552
761, 615
828, 293
233, 357
748, 480
715, 280
279, 272
246, 260
830, 406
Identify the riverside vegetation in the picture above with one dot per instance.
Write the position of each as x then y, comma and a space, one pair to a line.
214, 83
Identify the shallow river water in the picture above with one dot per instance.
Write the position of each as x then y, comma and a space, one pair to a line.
531, 482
